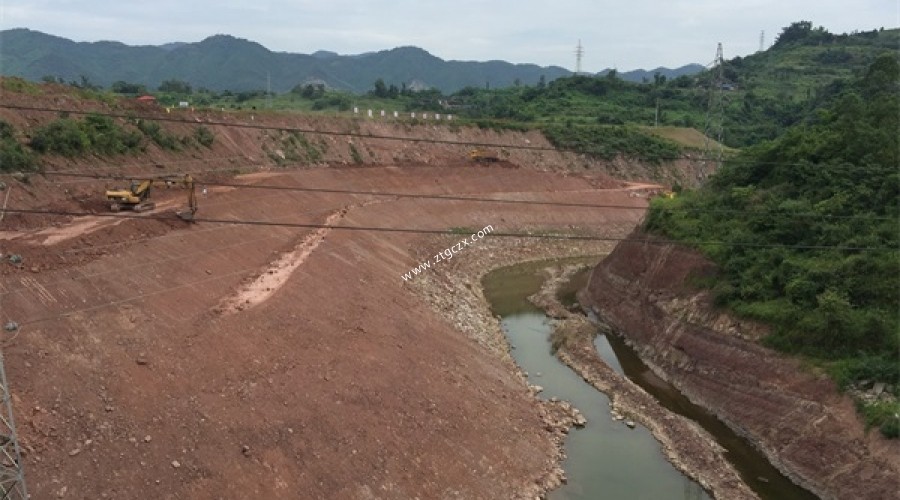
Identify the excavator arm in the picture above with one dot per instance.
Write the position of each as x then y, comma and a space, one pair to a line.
188, 214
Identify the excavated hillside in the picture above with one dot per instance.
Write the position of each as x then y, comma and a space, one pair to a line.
156, 358
795, 416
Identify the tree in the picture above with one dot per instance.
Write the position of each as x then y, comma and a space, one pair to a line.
380, 89
793, 33
659, 79
122, 87
309, 91
175, 86
84, 83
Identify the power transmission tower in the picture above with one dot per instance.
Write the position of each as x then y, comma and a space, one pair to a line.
762, 41
579, 53
715, 113
12, 474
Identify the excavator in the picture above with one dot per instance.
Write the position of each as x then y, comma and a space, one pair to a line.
483, 156
136, 197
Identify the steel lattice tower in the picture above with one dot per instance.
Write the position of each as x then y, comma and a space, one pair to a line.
12, 474
715, 113
579, 53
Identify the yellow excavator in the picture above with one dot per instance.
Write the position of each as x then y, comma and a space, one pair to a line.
483, 156
134, 198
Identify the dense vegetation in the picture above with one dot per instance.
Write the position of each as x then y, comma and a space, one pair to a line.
609, 141
762, 95
808, 225
95, 134
13, 157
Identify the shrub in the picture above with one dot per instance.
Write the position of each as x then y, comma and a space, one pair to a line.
13, 157
63, 137
354, 153
162, 138
108, 138
95, 134
204, 136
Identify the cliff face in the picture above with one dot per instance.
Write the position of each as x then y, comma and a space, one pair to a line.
797, 417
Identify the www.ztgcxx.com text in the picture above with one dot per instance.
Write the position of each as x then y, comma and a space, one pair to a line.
447, 253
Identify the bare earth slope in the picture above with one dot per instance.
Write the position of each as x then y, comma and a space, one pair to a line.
156, 359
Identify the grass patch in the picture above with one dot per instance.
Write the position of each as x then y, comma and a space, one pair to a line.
609, 141
687, 137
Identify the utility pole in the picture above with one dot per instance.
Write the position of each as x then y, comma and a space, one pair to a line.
268, 90
579, 53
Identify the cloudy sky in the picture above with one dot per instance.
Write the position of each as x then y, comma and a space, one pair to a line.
624, 34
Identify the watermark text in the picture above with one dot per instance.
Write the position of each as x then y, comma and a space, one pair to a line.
447, 253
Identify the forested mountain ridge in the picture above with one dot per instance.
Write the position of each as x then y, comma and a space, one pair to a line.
223, 62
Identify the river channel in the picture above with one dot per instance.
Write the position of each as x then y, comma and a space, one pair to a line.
607, 459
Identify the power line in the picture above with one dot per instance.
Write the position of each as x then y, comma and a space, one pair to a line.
181, 256
529, 235
359, 135
486, 200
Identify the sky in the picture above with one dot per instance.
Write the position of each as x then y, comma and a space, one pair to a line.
620, 34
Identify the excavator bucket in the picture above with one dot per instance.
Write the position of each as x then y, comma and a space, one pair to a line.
186, 215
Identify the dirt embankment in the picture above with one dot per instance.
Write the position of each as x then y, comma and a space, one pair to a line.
215, 360
250, 140
795, 416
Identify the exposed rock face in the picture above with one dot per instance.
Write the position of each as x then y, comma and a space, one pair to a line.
796, 416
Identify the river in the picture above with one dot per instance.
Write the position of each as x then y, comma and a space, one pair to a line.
606, 459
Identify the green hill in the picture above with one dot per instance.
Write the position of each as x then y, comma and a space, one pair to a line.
764, 93
223, 62
807, 226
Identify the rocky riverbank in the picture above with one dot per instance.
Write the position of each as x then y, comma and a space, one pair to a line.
455, 291
687, 446
795, 415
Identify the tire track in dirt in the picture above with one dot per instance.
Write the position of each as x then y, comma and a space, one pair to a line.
276, 275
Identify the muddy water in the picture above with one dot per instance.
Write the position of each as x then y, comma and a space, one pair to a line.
606, 459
